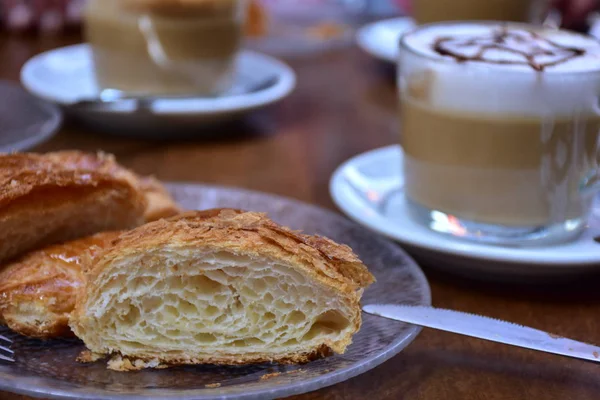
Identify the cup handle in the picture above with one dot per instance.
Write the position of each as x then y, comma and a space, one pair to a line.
590, 184
159, 55
155, 49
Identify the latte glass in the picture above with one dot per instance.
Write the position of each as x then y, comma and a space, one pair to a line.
500, 129
165, 47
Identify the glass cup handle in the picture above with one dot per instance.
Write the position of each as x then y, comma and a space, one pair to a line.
159, 55
155, 49
590, 184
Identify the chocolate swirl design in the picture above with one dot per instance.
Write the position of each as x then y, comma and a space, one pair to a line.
530, 48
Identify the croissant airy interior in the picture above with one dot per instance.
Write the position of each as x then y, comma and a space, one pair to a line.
228, 295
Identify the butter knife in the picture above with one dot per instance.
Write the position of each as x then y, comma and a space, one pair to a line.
486, 328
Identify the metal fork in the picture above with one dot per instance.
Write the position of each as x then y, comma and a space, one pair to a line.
8, 353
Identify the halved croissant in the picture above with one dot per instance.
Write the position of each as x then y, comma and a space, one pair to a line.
220, 286
51, 198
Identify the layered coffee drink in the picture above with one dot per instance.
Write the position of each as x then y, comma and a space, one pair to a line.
427, 11
500, 128
165, 47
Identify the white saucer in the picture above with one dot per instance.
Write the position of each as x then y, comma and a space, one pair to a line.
381, 39
66, 75
368, 188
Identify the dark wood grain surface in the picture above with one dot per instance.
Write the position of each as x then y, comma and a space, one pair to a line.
345, 104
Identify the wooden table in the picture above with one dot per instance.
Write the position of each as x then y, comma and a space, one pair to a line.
345, 104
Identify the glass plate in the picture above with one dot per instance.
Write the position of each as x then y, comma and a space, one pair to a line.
48, 369
24, 120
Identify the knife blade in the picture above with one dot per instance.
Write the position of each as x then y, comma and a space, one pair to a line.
486, 328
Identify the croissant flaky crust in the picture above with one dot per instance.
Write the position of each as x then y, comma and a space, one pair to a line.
55, 197
223, 287
38, 291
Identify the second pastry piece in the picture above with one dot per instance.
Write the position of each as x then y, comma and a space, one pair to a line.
220, 287
38, 290
55, 197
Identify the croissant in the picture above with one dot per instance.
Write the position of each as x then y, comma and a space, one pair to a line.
219, 287
38, 291
55, 197
160, 204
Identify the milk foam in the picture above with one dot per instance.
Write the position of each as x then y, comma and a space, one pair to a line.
504, 83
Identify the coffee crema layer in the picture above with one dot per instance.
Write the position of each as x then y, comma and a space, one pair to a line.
427, 11
568, 83
180, 8
508, 47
